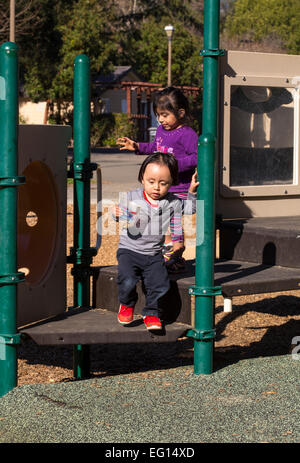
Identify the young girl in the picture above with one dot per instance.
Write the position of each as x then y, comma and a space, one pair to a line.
173, 136
149, 211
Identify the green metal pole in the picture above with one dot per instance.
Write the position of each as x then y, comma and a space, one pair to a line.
82, 168
204, 274
8, 215
204, 290
211, 53
81, 161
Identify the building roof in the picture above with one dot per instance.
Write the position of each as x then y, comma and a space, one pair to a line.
115, 76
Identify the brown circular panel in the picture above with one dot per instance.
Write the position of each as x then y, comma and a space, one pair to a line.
37, 222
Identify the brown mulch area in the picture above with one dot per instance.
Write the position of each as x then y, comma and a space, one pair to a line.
260, 325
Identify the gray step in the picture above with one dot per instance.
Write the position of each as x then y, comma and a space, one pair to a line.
270, 241
97, 326
236, 278
100, 326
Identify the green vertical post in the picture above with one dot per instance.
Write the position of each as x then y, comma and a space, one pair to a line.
81, 160
211, 53
81, 200
82, 172
8, 215
205, 251
204, 290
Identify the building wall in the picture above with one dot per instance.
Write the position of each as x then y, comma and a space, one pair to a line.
110, 101
117, 101
32, 113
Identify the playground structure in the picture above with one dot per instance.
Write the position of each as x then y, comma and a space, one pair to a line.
248, 208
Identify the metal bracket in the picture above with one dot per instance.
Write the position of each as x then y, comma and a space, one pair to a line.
12, 278
212, 52
12, 181
201, 335
82, 170
82, 272
205, 291
81, 255
10, 338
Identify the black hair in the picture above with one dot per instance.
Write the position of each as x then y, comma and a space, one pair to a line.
172, 99
166, 159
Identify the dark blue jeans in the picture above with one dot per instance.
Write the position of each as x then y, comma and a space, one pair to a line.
133, 267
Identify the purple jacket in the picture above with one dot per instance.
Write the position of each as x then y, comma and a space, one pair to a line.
183, 144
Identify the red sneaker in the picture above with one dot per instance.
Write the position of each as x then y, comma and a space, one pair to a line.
152, 323
125, 315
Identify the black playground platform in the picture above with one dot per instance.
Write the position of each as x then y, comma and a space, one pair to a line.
258, 256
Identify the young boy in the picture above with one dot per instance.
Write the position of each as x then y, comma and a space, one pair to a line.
149, 212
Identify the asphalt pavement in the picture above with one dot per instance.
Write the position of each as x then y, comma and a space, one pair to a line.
119, 171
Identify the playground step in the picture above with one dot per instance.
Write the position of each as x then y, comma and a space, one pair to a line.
176, 304
264, 240
236, 278
100, 326
97, 326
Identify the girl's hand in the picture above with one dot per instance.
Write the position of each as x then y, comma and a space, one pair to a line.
127, 144
194, 183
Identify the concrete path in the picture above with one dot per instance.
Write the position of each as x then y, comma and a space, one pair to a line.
119, 173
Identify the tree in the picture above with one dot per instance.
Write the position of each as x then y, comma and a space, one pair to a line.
89, 28
26, 18
39, 49
189, 12
149, 53
144, 43
111, 33
255, 20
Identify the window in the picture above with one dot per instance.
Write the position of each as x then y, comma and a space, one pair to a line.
261, 143
124, 106
261, 136
105, 105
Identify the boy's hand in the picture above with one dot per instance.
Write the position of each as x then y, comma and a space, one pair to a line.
194, 183
178, 247
117, 211
127, 144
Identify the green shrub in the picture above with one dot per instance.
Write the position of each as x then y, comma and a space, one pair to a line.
101, 125
106, 128
22, 119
